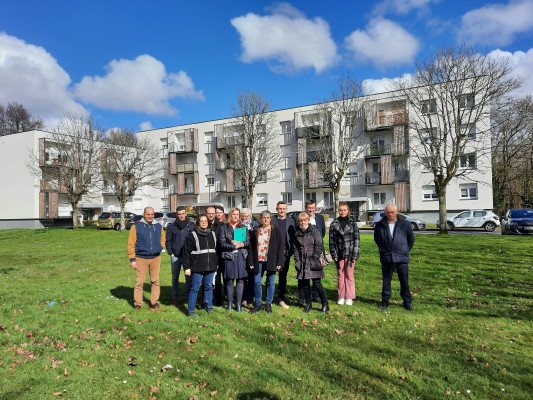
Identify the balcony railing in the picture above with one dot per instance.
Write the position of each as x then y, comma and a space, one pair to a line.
397, 118
189, 189
378, 150
308, 132
400, 176
186, 167
373, 178
222, 186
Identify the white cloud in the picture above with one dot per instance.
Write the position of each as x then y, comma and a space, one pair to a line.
384, 43
522, 64
373, 86
287, 40
29, 75
401, 7
497, 24
140, 85
145, 126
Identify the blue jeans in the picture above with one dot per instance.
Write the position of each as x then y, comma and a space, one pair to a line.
196, 281
270, 284
175, 266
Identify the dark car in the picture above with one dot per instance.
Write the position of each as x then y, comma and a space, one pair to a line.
134, 219
518, 222
111, 220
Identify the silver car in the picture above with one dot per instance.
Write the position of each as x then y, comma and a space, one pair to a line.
416, 224
164, 218
473, 219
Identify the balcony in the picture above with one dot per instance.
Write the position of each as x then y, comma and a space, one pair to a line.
229, 187
311, 156
373, 178
229, 141
184, 142
396, 117
400, 176
221, 165
376, 150
185, 168
309, 132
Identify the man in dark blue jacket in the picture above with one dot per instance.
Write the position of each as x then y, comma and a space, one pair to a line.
395, 239
177, 232
287, 228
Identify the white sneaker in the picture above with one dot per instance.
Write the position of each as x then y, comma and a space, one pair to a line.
349, 302
283, 305
341, 301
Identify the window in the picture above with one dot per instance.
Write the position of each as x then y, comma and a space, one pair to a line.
262, 177
244, 201
468, 160
262, 199
428, 193
286, 127
210, 180
287, 197
466, 101
429, 135
210, 158
310, 196
164, 182
208, 137
479, 214
231, 202
286, 175
429, 107
380, 198
468, 191
329, 200
469, 130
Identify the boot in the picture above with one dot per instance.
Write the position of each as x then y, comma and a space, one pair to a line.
229, 307
268, 308
255, 309
307, 308
238, 307
325, 308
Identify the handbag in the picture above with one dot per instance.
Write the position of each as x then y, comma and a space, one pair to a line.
325, 259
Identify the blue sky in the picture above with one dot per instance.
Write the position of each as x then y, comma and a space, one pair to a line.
142, 65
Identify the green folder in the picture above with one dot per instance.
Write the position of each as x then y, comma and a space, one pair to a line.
239, 234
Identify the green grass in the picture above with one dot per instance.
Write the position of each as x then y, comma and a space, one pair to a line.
471, 329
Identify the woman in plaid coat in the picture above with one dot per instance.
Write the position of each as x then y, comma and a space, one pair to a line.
344, 249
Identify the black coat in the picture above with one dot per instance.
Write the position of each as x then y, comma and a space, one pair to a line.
308, 247
320, 224
176, 237
290, 231
207, 260
276, 250
235, 264
394, 249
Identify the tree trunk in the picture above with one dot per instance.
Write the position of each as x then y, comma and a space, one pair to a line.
441, 193
250, 197
336, 200
122, 219
75, 216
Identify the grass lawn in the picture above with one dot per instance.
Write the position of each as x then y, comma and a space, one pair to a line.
67, 328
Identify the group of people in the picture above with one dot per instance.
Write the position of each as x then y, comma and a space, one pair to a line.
233, 253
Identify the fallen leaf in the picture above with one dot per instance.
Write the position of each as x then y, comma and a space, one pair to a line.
132, 372
213, 393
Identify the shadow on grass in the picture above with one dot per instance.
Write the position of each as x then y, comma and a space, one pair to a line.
257, 395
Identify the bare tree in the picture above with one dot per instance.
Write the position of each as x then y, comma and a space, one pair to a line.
128, 163
255, 153
16, 118
340, 122
512, 155
449, 96
68, 160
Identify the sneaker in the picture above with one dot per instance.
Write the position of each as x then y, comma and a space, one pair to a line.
341, 301
155, 306
349, 302
137, 308
283, 305
383, 305
210, 311
193, 314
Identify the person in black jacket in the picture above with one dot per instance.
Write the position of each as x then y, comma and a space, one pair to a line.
287, 228
268, 250
307, 249
200, 262
395, 239
176, 234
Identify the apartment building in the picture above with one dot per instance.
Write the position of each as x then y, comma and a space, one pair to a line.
197, 159
33, 197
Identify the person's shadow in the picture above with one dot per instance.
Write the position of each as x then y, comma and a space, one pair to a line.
126, 293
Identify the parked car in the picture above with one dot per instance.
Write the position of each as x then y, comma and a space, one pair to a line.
518, 222
164, 218
473, 219
416, 224
111, 220
133, 220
